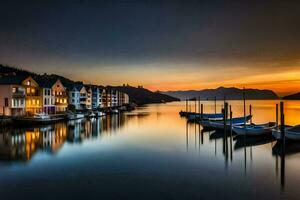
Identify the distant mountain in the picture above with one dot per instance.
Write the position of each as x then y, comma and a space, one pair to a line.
137, 95
143, 96
293, 97
221, 92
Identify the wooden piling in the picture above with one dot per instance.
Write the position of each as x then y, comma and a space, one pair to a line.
201, 112
277, 115
230, 117
186, 105
282, 125
215, 105
199, 100
225, 115
250, 112
282, 131
244, 99
195, 105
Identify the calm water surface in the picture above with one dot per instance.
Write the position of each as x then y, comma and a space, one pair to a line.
150, 153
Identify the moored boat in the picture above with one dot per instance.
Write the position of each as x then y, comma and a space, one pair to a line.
254, 129
291, 133
219, 124
204, 116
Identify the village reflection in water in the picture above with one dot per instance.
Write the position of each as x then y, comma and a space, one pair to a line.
20, 144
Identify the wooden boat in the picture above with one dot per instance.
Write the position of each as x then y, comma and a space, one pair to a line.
40, 118
291, 133
219, 124
254, 129
75, 116
205, 116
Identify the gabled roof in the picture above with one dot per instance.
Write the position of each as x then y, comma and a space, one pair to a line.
44, 82
12, 79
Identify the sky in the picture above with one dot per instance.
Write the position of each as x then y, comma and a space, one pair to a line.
162, 45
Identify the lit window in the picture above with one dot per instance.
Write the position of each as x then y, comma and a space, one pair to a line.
33, 101
38, 102
27, 90
32, 90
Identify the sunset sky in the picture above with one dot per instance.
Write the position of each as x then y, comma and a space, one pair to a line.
162, 45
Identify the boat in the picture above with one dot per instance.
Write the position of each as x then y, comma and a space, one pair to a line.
291, 133
42, 116
205, 116
219, 124
73, 116
254, 129
91, 115
39, 118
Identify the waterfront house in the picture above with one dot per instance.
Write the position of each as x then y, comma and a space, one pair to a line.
61, 98
33, 96
101, 98
95, 97
83, 96
74, 96
114, 98
47, 94
97, 101
123, 98
12, 96
88, 102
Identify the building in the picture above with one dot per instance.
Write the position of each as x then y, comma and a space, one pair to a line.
95, 97
88, 103
114, 97
83, 96
74, 96
12, 96
61, 98
33, 96
48, 97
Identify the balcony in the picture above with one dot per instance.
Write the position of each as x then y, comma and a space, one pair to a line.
18, 94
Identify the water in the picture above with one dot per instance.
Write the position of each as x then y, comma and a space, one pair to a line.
150, 153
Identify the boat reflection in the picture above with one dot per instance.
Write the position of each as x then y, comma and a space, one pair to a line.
242, 141
20, 144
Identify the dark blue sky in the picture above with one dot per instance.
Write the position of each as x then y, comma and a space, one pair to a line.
134, 38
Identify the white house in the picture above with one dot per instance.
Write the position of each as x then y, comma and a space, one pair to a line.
74, 97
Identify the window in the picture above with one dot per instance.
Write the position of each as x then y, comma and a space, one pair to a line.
45, 101
33, 101
38, 102
65, 100
27, 90
21, 102
57, 85
73, 94
72, 100
32, 90
14, 90
46, 92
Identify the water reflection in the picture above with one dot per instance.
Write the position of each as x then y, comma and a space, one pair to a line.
20, 144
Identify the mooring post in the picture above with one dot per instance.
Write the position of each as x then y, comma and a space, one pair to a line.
282, 125
230, 117
250, 112
199, 111
225, 115
215, 105
186, 106
195, 106
201, 114
277, 114
282, 130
